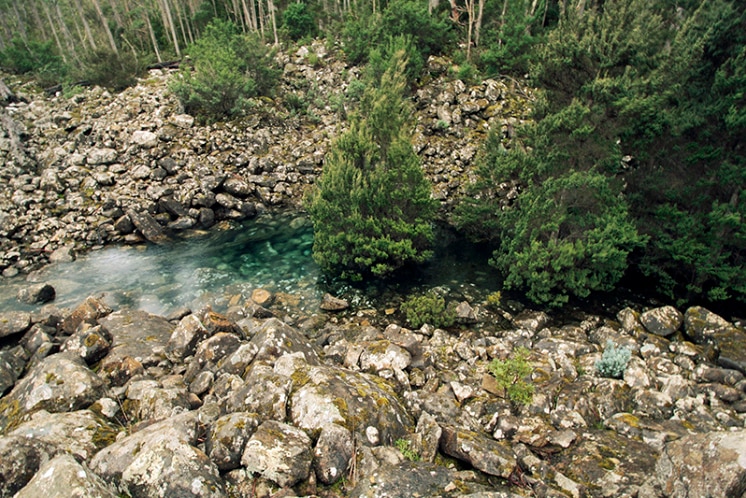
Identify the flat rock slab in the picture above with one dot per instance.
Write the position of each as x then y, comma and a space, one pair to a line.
491, 457
20, 458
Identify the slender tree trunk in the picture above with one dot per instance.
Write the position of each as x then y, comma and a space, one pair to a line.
105, 24
39, 24
66, 32
252, 19
478, 25
261, 18
117, 16
20, 22
168, 23
502, 21
153, 39
272, 14
86, 27
57, 41
246, 16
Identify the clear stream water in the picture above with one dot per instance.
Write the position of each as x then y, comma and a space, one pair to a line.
271, 252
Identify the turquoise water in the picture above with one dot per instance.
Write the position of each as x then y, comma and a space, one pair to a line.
224, 266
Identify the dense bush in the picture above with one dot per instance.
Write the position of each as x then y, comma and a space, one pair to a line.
105, 68
34, 57
428, 33
371, 208
229, 68
298, 21
428, 308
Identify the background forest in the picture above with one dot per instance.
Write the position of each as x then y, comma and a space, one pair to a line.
633, 169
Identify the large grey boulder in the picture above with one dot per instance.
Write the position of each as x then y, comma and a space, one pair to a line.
483, 453
265, 393
14, 322
712, 464
227, 438
111, 462
185, 337
275, 338
662, 321
701, 324
64, 477
59, 383
168, 468
328, 395
334, 451
81, 433
279, 452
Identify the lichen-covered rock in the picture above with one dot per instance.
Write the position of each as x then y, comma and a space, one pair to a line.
279, 452
64, 477
136, 335
114, 459
700, 324
167, 468
14, 322
59, 383
662, 321
265, 393
185, 337
90, 343
333, 453
483, 453
381, 355
712, 464
328, 395
37, 293
148, 400
275, 338
89, 311
20, 458
81, 433
227, 438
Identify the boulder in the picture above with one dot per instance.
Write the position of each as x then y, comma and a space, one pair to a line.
331, 303
148, 227
275, 338
662, 321
265, 393
20, 458
59, 383
227, 438
136, 335
81, 433
185, 337
712, 464
279, 452
14, 322
145, 139
64, 477
700, 324
37, 294
90, 343
103, 155
481, 452
89, 311
333, 453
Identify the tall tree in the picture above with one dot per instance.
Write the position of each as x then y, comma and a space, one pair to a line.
372, 210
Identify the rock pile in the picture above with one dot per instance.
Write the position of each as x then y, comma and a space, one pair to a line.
242, 404
98, 168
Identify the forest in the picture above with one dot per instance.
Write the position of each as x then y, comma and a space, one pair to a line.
632, 171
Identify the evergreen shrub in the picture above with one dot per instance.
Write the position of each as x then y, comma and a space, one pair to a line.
428, 308
298, 21
511, 375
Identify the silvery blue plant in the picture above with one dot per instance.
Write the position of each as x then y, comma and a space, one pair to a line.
614, 361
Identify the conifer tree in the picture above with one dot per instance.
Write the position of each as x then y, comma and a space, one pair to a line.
372, 208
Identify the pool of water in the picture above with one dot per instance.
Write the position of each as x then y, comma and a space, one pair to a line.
226, 264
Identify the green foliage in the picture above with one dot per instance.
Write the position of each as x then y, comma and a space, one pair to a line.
511, 375
298, 21
20, 57
407, 452
427, 33
105, 68
428, 308
229, 69
614, 361
511, 35
494, 300
372, 210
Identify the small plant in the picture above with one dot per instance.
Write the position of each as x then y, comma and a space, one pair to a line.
428, 308
510, 375
494, 300
442, 125
614, 361
407, 452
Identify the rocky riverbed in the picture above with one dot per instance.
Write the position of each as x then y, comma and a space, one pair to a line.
269, 398
101, 402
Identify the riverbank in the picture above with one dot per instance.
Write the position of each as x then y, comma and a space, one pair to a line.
96, 168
